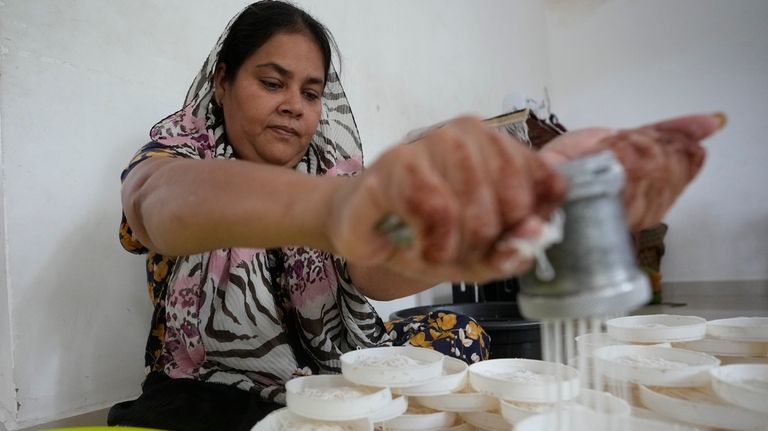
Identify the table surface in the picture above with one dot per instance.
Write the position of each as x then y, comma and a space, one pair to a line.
712, 299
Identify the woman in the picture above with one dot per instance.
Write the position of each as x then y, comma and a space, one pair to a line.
260, 226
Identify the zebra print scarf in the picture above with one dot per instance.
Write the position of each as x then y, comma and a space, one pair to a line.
253, 318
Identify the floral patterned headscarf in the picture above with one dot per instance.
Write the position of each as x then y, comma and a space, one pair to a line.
252, 318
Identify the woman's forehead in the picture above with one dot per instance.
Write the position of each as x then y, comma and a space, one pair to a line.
292, 55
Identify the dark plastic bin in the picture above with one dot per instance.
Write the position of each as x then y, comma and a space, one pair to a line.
511, 335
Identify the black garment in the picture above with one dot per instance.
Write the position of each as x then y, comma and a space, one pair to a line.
190, 405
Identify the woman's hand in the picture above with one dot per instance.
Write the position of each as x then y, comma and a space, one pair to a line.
659, 160
463, 189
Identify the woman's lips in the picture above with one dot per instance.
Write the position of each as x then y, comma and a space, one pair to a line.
285, 132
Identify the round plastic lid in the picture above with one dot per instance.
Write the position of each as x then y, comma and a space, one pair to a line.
460, 402
586, 420
745, 385
587, 343
395, 408
515, 411
739, 329
603, 402
657, 328
284, 420
420, 422
722, 347
454, 378
699, 406
395, 367
459, 427
658, 366
486, 420
525, 380
333, 398
600, 402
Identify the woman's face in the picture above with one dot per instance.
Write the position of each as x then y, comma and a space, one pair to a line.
272, 106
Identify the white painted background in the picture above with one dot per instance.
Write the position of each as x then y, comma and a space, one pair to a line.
81, 82
626, 62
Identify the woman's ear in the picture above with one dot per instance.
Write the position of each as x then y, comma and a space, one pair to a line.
219, 83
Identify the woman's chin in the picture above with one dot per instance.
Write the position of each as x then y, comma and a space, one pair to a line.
284, 160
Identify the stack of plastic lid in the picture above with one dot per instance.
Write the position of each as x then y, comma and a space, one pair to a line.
331, 403
739, 340
667, 366
642, 355
736, 399
587, 420
688, 385
371, 393
654, 330
737, 395
531, 383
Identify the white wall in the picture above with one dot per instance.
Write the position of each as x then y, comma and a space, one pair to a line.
81, 82
410, 64
624, 63
7, 393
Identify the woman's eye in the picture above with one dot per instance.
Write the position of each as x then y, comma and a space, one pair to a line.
271, 85
311, 96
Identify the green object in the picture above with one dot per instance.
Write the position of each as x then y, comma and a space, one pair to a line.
399, 233
654, 278
102, 429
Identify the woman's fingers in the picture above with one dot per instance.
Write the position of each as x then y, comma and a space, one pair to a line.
511, 176
457, 152
660, 160
694, 127
574, 145
418, 194
459, 189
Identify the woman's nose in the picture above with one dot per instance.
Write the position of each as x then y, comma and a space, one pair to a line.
291, 104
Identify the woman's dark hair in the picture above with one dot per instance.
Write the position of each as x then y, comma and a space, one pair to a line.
262, 20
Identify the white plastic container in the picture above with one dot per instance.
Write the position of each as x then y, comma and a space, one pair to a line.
723, 347
284, 420
431, 421
453, 379
629, 392
515, 411
588, 343
460, 427
644, 413
394, 367
586, 420
490, 421
699, 407
460, 402
739, 329
525, 380
333, 398
656, 366
395, 408
729, 360
603, 402
657, 328
745, 385
600, 402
